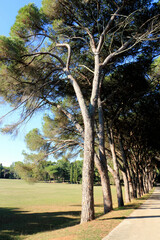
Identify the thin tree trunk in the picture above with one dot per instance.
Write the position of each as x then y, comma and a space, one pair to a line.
146, 180
130, 185
116, 169
134, 188
125, 176
150, 181
134, 184
101, 163
103, 171
141, 184
138, 184
132, 180
126, 188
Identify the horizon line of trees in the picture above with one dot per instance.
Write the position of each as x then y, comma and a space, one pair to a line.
48, 171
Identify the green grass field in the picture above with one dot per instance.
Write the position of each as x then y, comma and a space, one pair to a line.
48, 211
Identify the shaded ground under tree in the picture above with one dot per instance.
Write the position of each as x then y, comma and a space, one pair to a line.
14, 222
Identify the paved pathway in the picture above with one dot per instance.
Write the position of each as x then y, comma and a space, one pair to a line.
142, 224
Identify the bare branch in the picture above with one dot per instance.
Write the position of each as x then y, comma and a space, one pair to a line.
102, 37
45, 53
70, 116
111, 170
83, 76
119, 51
62, 147
87, 68
92, 42
40, 43
69, 53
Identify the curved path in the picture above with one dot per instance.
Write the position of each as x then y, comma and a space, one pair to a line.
142, 224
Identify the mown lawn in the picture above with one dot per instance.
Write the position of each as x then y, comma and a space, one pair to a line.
51, 211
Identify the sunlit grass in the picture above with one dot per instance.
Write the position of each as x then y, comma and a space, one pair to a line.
52, 211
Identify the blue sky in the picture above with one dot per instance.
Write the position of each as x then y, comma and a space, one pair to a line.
11, 147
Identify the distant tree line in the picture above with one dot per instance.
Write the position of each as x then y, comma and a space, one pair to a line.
61, 171
7, 172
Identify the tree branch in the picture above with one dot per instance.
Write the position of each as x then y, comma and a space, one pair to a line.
46, 53
69, 53
102, 37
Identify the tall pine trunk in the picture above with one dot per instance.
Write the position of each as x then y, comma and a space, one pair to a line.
116, 168
101, 163
124, 173
126, 187
88, 162
87, 213
103, 171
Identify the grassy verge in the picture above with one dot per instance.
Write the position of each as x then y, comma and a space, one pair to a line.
96, 229
45, 211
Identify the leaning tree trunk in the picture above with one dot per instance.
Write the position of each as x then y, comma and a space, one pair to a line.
131, 188
101, 162
87, 213
103, 171
116, 169
124, 173
134, 184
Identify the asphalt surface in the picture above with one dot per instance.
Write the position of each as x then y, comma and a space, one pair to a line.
142, 224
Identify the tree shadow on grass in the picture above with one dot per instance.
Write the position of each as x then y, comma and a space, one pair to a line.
113, 218
128, 206
14, 223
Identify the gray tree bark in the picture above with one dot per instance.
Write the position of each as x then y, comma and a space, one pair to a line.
101, 162
124, 173
103, 171
87, 213
126, 188
116, 169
